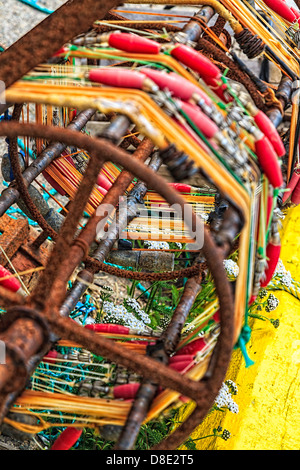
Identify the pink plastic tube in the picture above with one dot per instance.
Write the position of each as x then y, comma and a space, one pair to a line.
108, 328
117, 77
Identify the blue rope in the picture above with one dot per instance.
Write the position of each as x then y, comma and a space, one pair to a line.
34, 4
243, 340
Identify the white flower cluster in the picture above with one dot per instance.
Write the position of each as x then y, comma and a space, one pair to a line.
224, 399
121, 314
285, 276
232, 387
133, 303
231, 267
272, 303
153, 245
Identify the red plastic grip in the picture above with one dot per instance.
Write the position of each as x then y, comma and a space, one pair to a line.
102, 190
131, 43
104, 182
192, 89
204, 123
181, 188
108, 328
181, 358
181, 366
296, 13
50, 357
281, 9
273, 255
67, 439
270, 131
216, 317
268, 161
11, 284
127, 391
296, 195
196, 61
291, 186
252, 299
117, 78
193, 348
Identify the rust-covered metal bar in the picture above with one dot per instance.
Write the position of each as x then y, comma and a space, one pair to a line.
193, 29
203, 393
143, 152
89, 233
161, 351
45, 39
11, 194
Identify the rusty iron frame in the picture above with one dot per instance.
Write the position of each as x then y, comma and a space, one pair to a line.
66, 255
30, 326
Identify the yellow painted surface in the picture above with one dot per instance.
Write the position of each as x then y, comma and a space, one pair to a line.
268, 392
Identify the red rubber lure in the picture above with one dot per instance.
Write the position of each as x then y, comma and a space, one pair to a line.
126, 392
281, 9
118, 78
270, 131
181, 358
296, 195
273, 255
268, 161
179, 86
193, 348
203, 123
104, 182
67, 439
196, 61
131, 43
12, 283
293, 183
108, 328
